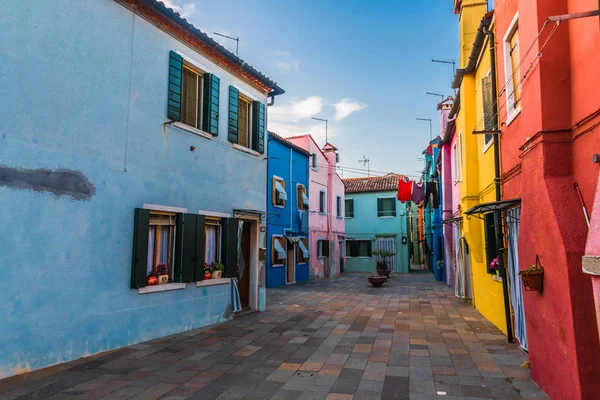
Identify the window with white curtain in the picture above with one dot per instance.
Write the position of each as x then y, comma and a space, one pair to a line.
212, 231
161, 240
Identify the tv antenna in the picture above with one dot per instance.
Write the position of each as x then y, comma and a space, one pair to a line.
237, 41
366, 162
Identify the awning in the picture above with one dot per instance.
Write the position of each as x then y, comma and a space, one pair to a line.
303, 249
279, 249
452, 220
304, 199
293, 239
280, 190
485, 208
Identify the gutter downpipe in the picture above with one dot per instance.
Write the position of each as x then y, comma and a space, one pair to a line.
498, 213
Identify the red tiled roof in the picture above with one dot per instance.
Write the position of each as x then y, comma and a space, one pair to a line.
388, 182
287, 142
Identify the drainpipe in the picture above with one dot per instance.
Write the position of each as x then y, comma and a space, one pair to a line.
292, 187
497, 213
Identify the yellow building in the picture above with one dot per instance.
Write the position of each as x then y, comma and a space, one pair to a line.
477, 185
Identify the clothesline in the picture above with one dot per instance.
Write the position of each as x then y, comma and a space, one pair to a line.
417, 192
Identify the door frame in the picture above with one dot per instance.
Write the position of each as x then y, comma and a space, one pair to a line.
253, 261
291, 249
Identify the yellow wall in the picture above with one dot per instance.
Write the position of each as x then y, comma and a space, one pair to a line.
477, 167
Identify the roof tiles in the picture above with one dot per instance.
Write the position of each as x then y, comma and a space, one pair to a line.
384, 183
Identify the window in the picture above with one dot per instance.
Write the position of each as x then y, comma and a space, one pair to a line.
278, 250
386, 207
491, 247
161, 242
322, 248
301, 197
455, 162
314, 161
512, 59
349, 208
339, 207
489, 117
244, 126
302, 249
358, 248
279, 195
191, 110
322, 202
212, 241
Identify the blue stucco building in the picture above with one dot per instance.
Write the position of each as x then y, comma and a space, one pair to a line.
375, 220
433, 213
287, 218
128, 140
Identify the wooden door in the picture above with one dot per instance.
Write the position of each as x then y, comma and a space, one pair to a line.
243, 274
290, 264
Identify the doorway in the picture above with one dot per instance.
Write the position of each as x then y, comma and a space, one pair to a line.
342, 252
243, 273
290, 265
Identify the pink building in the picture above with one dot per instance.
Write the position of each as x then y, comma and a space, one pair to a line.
326, 224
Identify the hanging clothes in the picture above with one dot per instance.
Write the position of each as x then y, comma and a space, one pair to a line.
404, 190
418, 192
433, 197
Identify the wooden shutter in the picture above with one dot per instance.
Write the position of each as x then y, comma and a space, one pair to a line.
258, 126
210, 122
230, 239
232, 131
393, 206
198, 273
379, 207
243, 122
190, 113
185, 248
139, 263
488, 101
175, 82
369, 248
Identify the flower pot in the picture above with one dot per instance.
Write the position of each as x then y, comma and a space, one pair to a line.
151, 281
533, 281
216, 274
162, 279
382, 272
377, 281
207, 275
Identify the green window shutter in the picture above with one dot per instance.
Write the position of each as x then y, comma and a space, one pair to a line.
490, 240
369, 249
140, 248
210, 110
175, 83
393, 207
229, 253
488, 113
379, 207
200, 248
258, 126
232, 132
185, 247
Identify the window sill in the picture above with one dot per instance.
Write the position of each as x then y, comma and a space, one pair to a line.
278, 206
246, 150
161, 288
211, 282
512, 115
487, 145
339, 217
388, 216
348, 217
193, 130
277, 265
496, 278
301, 263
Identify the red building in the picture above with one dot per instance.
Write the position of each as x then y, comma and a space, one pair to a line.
549, 110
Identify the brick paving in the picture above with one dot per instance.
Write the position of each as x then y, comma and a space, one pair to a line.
326, 340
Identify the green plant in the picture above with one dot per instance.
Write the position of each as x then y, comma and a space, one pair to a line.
217, 266
384, 255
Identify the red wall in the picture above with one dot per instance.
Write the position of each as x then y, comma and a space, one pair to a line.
560, 90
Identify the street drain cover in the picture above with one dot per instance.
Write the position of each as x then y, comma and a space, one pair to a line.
304, 374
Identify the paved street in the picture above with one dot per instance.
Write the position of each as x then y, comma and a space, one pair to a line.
334, 340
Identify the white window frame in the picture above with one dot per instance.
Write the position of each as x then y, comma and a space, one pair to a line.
512, 112
351, 199
218, 222
487, 145
339, 211
320, 240
455, 168
273, 244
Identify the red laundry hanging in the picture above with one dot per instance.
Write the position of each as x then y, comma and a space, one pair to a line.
404, 190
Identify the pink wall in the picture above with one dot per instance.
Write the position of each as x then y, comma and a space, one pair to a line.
324, 227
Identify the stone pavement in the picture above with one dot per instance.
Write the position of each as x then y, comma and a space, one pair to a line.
332, 340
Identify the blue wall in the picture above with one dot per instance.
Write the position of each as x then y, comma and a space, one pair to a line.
88, 92
367, 225
433, 220
290, 164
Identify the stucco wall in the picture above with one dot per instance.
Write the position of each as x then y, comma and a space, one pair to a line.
292, 166
88, 92
367, 225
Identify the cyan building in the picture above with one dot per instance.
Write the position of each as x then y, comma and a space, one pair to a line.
375, 220
287, 218
433, 213
128, 139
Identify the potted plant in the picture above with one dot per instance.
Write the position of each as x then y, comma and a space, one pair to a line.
217, 270
533, 277
494, 265
207, 271
162, 273
382, 266
152, 279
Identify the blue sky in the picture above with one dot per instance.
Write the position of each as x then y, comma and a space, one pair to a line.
364, 65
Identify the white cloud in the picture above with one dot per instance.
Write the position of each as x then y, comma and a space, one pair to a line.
316, 130
183, 7
295, 111
347, 106
287, 63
